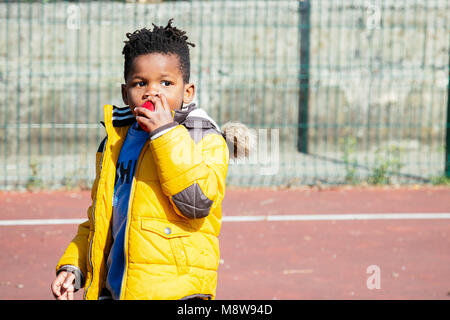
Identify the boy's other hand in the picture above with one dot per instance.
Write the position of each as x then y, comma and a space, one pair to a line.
162, 115
63, 286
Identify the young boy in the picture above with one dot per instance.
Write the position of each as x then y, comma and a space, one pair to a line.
155, 216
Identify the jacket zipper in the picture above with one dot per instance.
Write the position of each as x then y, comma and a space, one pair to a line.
90, 252
130, 201
93, 225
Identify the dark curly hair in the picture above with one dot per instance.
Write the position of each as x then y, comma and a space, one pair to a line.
165, 40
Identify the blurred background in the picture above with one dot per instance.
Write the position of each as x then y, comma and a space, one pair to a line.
338, 92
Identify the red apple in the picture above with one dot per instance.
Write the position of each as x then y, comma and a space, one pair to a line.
148, 105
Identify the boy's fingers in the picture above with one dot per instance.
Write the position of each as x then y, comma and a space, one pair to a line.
56, 290
63, 296
165, 103
60, 278
70, 294
157, 103
56, 285
142, 120
69, 280
143, 112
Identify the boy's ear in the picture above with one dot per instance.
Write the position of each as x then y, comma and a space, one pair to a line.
124, 94
189, 93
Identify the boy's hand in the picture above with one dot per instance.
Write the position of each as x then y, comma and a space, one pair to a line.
162, 115
63, 286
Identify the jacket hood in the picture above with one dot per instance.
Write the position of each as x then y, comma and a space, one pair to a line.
122, 116
240, 139
192, 111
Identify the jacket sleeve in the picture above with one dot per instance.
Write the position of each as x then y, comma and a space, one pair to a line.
192, 166
74, 258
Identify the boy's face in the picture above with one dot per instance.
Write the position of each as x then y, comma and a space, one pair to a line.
156, 74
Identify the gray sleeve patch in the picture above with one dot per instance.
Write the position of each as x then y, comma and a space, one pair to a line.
199, 127
192, 202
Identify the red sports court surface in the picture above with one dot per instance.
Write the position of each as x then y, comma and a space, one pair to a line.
275, 244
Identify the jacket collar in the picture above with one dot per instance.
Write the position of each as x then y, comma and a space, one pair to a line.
181, 115
122, 117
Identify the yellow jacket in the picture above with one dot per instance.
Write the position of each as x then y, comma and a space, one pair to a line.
174, 218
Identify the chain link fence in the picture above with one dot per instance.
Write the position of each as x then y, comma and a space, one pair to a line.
337, 91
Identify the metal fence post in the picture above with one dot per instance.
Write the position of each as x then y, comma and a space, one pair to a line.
304, 9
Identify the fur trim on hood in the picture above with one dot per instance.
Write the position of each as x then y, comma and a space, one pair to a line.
240, 139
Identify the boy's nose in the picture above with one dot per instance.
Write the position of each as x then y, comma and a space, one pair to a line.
151, 93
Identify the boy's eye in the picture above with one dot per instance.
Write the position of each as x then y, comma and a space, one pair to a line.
166, 83
140, 84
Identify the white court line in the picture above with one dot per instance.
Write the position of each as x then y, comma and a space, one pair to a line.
37, 222
331, 217
298, 217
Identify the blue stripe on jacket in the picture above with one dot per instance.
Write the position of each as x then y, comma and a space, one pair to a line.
125, 171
